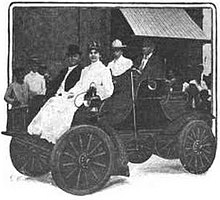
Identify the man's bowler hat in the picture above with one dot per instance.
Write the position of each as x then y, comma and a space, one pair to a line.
72, 50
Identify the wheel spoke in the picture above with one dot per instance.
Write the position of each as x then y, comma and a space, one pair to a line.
190, 138
70, 155
190, 153
99, 164
40, 165
201, 161
69, 164
80, 143
196, 162
207, 159
198, 131
99, 154
205, 139
168, 153
167, 144
21, 151
43, 156
94, 173
24, 165
44, 159
194, 134
207, 145
20, 143
78, 178
20, 157
190, 161
89, 142
86, 178
95, 148
206, 151
70, 173
74, 149
32, 164
202, 135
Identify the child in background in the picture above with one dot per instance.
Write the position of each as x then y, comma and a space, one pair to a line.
17, 93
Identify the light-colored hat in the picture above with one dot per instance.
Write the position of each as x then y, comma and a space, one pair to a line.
118, 44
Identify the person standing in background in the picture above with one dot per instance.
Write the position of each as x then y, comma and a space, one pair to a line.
34, 80
37, 88
17, 93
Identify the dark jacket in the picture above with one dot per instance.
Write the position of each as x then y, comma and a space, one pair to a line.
117, 107
154, 68
70, 82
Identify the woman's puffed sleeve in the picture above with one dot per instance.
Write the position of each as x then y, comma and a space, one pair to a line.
106, 88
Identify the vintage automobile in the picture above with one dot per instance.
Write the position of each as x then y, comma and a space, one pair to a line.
155, 121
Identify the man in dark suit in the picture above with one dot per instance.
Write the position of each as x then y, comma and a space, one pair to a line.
68, 77
149, 62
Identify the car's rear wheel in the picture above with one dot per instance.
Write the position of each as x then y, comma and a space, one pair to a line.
30, 155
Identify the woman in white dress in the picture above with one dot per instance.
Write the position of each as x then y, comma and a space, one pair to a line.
55, 117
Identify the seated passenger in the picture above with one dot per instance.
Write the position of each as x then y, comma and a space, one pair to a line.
83, 114
204, 103
66, 79
194, 85
173, 81
118, 105
56, 115
68, 76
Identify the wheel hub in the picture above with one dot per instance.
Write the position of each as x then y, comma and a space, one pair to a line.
84, 160
197, 147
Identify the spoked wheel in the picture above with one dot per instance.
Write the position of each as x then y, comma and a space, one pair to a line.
197, 147
30, 155
167, 146
82, 160
140, 150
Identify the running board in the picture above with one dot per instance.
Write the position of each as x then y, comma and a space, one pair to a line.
14, 133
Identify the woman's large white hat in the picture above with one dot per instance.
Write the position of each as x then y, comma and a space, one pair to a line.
118, 44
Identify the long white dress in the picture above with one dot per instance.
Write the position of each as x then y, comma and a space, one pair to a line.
55, 117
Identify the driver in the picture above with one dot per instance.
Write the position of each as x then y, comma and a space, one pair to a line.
149, 62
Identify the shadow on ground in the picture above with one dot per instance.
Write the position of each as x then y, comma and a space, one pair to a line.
157, 165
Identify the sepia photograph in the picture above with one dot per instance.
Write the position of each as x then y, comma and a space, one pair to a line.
109, 100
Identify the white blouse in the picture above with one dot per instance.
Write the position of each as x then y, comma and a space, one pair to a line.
36, 83
120, 65
98, 74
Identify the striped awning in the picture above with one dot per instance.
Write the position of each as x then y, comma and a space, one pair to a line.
163, 22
